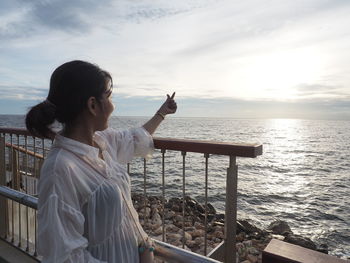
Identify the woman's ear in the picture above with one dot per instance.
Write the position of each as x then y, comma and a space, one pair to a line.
92, 105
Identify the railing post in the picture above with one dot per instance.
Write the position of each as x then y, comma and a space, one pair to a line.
231, 211
15, 170
3, 201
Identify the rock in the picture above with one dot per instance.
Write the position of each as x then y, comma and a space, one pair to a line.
197, 233
248, 243
218, 228
189, 229
171, 228
218, 223
279, 227
199, 240
169, 214
187, 236
211, 209
157, 220
300, 241
247, 227
252, 258
190, 202
240, 237
220, 217
279, 237
200, 209
199, 225
173, 237
253, 251
145, 212
158, 231
219, 234
323, 248
176, 208
190, 243
240, 248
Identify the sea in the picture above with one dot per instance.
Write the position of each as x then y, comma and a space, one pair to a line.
302, 177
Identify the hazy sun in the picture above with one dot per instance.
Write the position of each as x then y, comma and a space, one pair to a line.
277, 75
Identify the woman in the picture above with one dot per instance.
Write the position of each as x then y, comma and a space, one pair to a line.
84, 190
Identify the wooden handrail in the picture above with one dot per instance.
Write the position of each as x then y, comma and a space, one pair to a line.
208, 147
15, 131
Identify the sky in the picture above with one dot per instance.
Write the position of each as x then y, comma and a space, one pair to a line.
224, 58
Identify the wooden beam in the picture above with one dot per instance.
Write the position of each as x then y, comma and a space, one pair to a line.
278, 251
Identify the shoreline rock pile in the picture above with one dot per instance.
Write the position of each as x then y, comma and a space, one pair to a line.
251, 240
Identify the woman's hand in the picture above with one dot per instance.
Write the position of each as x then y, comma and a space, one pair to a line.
169, 106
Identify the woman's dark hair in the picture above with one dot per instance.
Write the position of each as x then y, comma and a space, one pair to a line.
71, 85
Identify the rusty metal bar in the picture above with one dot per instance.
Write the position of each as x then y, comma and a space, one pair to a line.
144, 193
3, 201
23, 150
183, 196
12, 185
26, 188
163, 195
35, 216
19, 177
206, 156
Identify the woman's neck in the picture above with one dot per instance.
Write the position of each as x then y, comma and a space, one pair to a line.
80, 133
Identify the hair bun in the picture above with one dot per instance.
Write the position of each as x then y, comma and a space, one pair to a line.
40, 117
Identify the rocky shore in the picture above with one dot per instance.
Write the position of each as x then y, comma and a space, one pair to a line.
251, 240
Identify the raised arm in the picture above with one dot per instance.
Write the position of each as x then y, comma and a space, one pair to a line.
168, 107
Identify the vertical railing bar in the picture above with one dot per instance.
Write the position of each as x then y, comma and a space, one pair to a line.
163, 194
206, 155
7, 203
128, 168
26, 187
3, 201
19, 205
144, 193
35, 212
183, 197
43, 147
12, 186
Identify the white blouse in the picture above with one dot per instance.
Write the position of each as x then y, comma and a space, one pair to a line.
82, 216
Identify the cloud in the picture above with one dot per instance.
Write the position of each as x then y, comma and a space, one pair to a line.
307, 91
22, 93
246, 50
24, 18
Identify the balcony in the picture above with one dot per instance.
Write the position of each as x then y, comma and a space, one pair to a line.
21, 156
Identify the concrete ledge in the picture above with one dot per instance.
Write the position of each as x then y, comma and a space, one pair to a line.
9, 254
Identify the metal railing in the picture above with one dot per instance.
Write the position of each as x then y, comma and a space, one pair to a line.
21, 156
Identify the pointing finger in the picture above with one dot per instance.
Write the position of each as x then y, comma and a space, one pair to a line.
172, 96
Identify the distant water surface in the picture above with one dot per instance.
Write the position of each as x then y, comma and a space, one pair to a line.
303, 176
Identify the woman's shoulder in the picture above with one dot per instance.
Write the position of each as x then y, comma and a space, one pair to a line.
57, 161
60, 175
